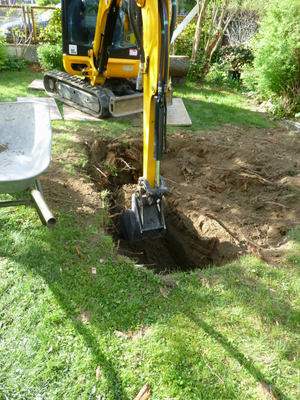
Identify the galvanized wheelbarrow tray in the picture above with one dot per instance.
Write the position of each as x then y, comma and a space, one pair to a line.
25, 151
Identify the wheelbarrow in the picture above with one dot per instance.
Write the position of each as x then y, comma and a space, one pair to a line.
25, 151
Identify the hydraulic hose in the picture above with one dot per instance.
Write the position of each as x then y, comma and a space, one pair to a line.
162, 46
167, 42
166, 76
139, 41
173, 18
160, 101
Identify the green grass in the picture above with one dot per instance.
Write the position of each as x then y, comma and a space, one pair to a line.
209, 107
218, 335
14, 85
220, 332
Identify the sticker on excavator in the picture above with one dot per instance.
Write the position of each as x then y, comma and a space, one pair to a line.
133, 52
72, 49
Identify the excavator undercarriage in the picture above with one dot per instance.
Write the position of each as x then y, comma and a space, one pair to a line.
116, 97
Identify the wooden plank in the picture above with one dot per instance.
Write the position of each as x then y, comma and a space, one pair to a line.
177, 114
72, 114
37, 84
48, 101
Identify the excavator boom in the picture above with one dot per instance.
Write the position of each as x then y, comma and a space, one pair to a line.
146, 218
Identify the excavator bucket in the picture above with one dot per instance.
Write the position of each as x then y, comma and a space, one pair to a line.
146, 219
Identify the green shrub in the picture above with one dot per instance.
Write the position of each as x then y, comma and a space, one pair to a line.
277, 57
13, 64
53, 31
3, 54
195, 68
250, 78
235, 56
218, 74
184, 42
50, 56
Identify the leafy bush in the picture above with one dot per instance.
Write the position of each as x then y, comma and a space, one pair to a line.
50, 56
8, 63
236, 56
195, 68
13, 64
277, 57
53, 31
3, 54
3, 57
250, 78
43, 3
218, 74
184, 42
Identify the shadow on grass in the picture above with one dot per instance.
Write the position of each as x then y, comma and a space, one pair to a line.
210, 108
119, 297
244, 361
67, 280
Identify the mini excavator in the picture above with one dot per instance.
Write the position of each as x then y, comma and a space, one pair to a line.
110, 44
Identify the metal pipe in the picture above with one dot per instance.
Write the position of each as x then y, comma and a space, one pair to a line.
157, 178
15, 203
38, 185
33, 25
42, 208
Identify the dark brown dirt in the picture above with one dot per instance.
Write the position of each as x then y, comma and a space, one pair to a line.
35, 68
231, 192
3, 147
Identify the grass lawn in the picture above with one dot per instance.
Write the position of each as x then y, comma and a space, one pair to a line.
211, 106
228, 332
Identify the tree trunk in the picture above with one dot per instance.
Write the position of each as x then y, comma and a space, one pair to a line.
179, 65
214, 41
178, 69
197, 37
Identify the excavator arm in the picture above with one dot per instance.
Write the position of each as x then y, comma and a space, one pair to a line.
146, 217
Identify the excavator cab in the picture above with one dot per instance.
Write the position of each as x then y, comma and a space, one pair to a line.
81, 19
87, 27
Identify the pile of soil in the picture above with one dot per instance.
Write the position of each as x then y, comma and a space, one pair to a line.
231, 191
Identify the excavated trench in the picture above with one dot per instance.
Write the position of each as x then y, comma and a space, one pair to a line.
180, 249
116, 167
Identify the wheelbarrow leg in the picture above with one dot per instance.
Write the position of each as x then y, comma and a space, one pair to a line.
42, 209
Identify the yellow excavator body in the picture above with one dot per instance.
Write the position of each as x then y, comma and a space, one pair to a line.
116, 68
152, 47
108, 43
